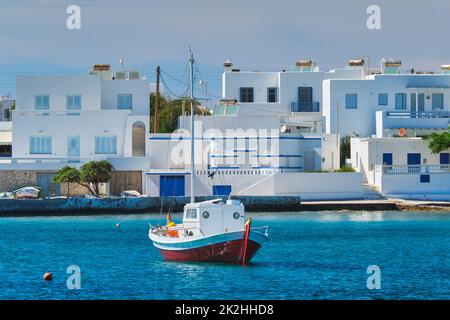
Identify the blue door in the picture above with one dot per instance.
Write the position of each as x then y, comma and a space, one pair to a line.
171, 186
221, 190
387, 159
45, 182
414, 162
445, 158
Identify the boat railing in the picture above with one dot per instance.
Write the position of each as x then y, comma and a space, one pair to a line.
162, 230
264, 230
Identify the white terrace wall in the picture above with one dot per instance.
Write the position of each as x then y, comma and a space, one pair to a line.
408, 186
320, 186
310, 186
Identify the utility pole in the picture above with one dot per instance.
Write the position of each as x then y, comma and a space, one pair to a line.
158, 75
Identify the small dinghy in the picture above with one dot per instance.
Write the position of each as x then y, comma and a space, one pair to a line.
131, 194
27, 193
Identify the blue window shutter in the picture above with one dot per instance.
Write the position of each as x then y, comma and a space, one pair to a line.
351, 101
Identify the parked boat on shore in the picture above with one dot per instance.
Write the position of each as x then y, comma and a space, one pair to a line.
27, 193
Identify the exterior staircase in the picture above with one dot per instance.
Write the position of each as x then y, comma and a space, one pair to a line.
372, 193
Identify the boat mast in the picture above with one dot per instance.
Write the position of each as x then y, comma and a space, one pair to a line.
191, 74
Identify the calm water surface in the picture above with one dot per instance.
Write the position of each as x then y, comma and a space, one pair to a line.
309, 256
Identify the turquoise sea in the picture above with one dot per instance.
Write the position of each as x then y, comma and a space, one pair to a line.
320, 255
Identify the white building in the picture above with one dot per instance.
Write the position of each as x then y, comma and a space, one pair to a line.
264, 138
62, 119
350, 105
80, 116
269, 135
402, 167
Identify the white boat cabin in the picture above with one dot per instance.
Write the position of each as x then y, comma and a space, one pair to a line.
213, 217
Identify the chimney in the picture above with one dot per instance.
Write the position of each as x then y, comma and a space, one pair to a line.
227, 66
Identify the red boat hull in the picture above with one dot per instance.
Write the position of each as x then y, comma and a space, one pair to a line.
229, 251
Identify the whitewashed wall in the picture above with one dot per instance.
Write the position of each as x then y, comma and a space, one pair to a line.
87, 125
58, 87
362, 120
310, 186
408, 186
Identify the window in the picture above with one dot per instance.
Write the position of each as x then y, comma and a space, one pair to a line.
40, 145
73, 102
42, 102
191, 214
7, 114
351, 101
272, 95
400, 101
424, 178
124, 101
437, 101
246, 94
205, 214
383, 99
106, 145
444, 158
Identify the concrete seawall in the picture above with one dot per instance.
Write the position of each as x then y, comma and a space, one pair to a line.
82, 206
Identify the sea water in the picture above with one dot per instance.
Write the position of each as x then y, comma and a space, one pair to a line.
320, 255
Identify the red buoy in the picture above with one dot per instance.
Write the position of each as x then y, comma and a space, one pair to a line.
48, 276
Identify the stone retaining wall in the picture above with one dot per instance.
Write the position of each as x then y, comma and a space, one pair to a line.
74, 206
13, 179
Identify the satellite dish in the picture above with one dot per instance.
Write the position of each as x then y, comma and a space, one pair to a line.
283, 129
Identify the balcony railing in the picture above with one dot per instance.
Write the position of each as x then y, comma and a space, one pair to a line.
417, 114
305, 106
414, 169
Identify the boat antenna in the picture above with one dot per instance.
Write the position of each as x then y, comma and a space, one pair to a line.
191, 76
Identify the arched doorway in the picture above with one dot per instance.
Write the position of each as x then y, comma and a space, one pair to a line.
138, 139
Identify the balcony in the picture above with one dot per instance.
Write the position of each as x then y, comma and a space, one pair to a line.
305, 106
416, 123
417, 114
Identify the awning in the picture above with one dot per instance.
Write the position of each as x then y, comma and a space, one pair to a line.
5, 137
428, 87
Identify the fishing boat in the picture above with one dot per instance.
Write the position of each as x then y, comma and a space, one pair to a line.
211, 231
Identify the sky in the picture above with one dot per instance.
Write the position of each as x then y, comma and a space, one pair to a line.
254, 34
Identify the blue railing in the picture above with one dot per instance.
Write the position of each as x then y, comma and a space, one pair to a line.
305, 107
415, 169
